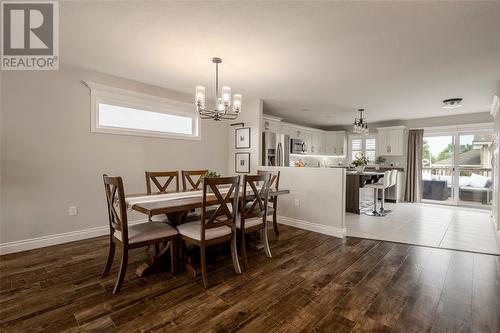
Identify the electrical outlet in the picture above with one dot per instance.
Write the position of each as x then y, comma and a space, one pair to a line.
73, 211
297, 203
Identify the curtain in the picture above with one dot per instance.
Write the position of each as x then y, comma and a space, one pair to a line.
413, 188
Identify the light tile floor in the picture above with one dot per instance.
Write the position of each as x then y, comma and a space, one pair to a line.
430, 225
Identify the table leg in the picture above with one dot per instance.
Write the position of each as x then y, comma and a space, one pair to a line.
155, 262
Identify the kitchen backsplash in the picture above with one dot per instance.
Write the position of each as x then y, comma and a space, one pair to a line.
316, 161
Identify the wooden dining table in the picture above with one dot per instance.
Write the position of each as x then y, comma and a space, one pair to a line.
176, 211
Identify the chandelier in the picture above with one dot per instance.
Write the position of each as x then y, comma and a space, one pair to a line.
360, 125
222, 100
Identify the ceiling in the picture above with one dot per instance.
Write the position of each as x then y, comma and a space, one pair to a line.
398, 60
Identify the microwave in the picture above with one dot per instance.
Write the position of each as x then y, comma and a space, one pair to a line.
297, 146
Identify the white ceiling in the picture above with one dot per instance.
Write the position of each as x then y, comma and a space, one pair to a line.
399, 60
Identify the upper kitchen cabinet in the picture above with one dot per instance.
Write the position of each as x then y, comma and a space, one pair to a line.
390, 141
271, 124
292, 131
315, 142
335, 143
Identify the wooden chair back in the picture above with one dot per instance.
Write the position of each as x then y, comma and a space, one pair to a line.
227, 202
117, 209
192, 184
275, 178
161, 180
256, 206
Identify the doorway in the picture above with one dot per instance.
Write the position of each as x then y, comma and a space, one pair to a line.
457, 169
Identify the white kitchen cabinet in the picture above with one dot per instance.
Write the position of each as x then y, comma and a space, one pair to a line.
317, 143
271, 125
335, 143
390, 141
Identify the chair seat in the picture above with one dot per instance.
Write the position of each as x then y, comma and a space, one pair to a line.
250, 222
160, 218
376, 185
193, 231
147, 231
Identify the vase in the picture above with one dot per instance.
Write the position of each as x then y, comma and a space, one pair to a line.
360, 169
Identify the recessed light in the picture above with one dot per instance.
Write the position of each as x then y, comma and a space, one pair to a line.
452, 103
305, 110
328, 117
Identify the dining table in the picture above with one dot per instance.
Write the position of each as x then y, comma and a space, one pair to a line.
176, 205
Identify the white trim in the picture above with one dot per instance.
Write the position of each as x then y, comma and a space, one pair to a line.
126, 98
495, 106
319, 228
65, 237
391, 128
305, 128
457, 128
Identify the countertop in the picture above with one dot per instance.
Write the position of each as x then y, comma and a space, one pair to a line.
364, 173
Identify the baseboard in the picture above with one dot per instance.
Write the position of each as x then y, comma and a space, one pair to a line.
319, 228
66, 237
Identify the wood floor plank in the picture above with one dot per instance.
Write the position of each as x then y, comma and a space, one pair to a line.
418, 312
313, 283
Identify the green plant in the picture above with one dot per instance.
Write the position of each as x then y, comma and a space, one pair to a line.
211, 174
361, 160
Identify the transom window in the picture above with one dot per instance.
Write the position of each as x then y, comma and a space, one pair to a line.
118, 111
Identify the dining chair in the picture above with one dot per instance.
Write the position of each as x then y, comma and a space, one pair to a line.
192, 183
161, 180
253, 212
134, 236
274, 185
218, 226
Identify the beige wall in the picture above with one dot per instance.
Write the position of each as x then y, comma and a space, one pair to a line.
316, 201
251, 116
50, 160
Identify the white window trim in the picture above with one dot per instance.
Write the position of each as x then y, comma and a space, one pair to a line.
125, 98
363, 145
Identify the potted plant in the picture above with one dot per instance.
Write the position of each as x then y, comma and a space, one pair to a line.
360, 162
380, 162
210, 174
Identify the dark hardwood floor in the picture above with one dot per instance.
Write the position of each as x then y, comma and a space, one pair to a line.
313, 283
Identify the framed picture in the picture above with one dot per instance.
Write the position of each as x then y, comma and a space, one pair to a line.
242, 162
242, 137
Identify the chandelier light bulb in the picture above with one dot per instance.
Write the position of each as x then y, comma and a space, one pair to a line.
237, 103
200, 96
226, 95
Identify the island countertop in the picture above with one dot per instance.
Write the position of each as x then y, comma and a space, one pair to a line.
364, 173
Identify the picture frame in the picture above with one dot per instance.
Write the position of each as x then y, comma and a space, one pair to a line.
242, 162
242, 138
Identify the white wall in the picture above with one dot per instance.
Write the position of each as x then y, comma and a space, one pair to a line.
321, 197
50, 160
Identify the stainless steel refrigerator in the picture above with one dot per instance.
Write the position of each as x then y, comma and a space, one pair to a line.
275, 149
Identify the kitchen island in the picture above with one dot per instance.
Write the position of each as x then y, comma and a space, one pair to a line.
354, 182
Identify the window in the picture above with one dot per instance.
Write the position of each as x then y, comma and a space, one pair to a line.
118, 111
364, 144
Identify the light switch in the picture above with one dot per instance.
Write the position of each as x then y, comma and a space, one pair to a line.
297, 203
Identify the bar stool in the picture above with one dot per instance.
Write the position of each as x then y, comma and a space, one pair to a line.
394, 179
386, 183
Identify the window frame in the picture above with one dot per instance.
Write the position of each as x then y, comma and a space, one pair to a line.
363, 145
101, 94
